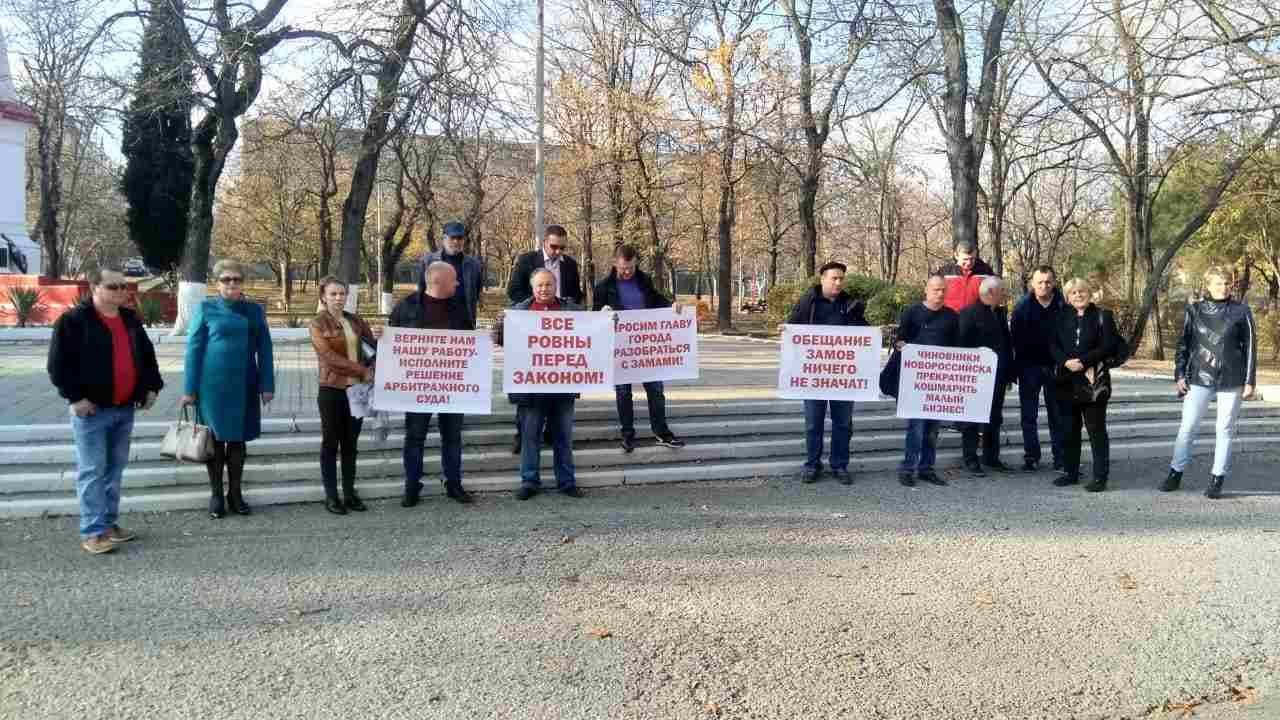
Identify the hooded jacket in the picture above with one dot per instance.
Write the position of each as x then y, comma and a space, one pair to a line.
1218, 348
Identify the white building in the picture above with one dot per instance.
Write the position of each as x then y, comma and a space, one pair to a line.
16, 249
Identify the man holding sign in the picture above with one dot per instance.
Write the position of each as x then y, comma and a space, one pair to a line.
982, 325
828, 304
432, 308
627, 288
929, 323
551, 355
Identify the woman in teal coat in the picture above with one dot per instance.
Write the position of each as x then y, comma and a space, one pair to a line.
228, 368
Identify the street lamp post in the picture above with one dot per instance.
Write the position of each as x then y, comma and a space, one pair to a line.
539, 187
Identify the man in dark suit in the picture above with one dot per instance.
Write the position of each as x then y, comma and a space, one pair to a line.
568, 283
982, 325
551, 256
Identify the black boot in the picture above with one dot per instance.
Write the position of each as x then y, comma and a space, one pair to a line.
1098, 485
217, 508
1172, 482
235, 473
353, 501
235, 501
334, 505
1214, 491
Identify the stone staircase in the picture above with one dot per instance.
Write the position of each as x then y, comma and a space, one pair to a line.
727, 439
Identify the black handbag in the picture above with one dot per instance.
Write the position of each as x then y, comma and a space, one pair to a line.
890, 375
1084, 392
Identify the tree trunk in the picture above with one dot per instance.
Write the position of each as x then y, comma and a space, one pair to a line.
49, 139
586, 193
807, 207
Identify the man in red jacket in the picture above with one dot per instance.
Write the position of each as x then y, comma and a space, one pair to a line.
964, 277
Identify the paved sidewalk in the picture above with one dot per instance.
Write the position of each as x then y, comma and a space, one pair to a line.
732, 368
1002, 598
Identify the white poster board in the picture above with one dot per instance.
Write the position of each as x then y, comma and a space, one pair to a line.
655, 345
434, 371
946, 383
557, 352
825, 362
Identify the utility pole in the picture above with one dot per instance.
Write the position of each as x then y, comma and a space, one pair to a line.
539, 187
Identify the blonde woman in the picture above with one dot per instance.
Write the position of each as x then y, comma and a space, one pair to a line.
228, 371
1083, 344
1217, 358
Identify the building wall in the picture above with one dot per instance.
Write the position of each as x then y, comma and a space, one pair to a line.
13, 184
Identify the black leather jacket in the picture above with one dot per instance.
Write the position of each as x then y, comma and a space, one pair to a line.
1218, 348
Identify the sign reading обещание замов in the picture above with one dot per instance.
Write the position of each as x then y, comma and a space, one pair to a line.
820, 362
946, 383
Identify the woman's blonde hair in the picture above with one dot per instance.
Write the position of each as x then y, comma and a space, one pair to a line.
1219, 271
1074, 283
227, 264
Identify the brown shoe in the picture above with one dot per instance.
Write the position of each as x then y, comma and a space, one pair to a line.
97, 545
118, 534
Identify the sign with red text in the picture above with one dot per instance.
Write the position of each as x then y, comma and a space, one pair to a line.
557, 352
823, 362
434, 371
946, 383
653, 345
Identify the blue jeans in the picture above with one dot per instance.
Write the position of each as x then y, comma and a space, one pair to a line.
102, 451
815, 412
1032, 381
415, 437
922, 446
657, 409
558, 415
1194, 406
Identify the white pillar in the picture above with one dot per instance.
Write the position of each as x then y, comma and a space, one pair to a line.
539, 186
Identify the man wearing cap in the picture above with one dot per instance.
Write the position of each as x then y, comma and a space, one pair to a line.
467, 267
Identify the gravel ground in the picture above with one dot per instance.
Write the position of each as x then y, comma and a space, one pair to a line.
989, 599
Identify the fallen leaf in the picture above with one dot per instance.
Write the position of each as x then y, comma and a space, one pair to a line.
712, 709
1244, 696
1127, 582
566, 540
840, 516
985, 599
1187, 708
599, 633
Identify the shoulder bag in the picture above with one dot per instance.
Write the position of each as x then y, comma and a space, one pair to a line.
186, 441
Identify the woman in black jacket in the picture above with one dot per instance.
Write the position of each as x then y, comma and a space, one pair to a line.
1083, 342
1217, 356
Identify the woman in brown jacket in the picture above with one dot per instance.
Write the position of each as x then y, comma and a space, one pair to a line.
338, 337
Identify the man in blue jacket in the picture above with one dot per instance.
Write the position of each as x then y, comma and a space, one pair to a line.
1031, 326
828, 304
467, 267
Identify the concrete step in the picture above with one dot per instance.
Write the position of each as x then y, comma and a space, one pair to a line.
151, 426
146, 449
379, 460
138, 499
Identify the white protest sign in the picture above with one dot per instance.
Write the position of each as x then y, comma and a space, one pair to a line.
945, 383
829, 362
557, 352
655, 345
434, 371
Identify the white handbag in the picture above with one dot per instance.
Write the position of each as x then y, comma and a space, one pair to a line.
186, 441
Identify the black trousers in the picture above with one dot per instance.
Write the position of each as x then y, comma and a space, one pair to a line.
990, 432
339, 433
1094, 417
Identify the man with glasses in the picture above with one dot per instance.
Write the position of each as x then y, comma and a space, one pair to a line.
568, 284
104, 365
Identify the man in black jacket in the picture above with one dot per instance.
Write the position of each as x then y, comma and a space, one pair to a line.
929, 323
1031, 326
627, 288
104, 365
568, 284
828, 304
982, 325
432, 307
551, 257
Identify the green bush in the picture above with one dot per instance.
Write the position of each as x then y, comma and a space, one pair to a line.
27, 302
150, 310
885, 301
293, 321
1269, 324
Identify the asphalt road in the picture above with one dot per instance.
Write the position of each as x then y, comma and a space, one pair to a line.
998, 598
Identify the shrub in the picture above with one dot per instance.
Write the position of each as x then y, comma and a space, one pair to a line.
1269, 329
28, 303
150, 310
885, 301
886, 306
293, 321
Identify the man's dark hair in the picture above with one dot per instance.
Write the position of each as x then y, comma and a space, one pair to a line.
626, 251
557, 230
833, 265
1045, 270
964, 245
935, 274
95, 274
